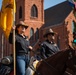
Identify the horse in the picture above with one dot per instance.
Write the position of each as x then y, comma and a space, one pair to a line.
57, 63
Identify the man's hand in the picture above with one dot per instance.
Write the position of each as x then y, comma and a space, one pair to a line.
30, 47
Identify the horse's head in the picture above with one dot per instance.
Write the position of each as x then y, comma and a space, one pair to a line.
57, 63
63, 60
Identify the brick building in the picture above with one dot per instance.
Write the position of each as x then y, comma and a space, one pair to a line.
60, 18
32, 13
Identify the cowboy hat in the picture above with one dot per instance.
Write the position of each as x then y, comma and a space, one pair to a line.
21, 23
49, 31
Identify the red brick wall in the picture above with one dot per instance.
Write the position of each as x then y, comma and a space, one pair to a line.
70, 19
32, 22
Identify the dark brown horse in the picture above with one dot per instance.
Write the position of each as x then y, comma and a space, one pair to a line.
57, 63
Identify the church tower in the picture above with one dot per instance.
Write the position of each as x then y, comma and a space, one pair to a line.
32, 13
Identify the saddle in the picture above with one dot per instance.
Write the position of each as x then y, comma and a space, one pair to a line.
33, 63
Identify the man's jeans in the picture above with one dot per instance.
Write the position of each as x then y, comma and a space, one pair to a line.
21, 63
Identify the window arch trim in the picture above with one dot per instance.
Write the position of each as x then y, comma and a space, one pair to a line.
34, 11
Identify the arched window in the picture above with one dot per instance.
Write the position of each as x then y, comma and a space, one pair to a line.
32, 34
20, 12
37, 34
72, 26
34, 11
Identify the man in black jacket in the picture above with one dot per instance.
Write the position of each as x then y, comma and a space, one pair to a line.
48, 47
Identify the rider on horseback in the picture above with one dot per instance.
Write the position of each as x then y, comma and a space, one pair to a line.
48, 47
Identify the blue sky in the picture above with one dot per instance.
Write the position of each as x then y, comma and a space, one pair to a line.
47, 3
50, 3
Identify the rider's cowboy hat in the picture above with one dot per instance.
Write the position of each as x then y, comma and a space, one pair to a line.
21, 23
49, 31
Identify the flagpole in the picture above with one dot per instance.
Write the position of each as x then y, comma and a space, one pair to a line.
2, 44
14, 52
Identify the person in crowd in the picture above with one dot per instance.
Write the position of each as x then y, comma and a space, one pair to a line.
22, 47
48, 46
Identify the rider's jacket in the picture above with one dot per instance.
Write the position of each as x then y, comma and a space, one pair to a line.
48, 48
21, 44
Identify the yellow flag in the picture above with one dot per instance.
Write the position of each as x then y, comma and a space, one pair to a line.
7, 15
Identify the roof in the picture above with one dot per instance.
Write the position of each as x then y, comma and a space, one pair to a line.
57, 14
